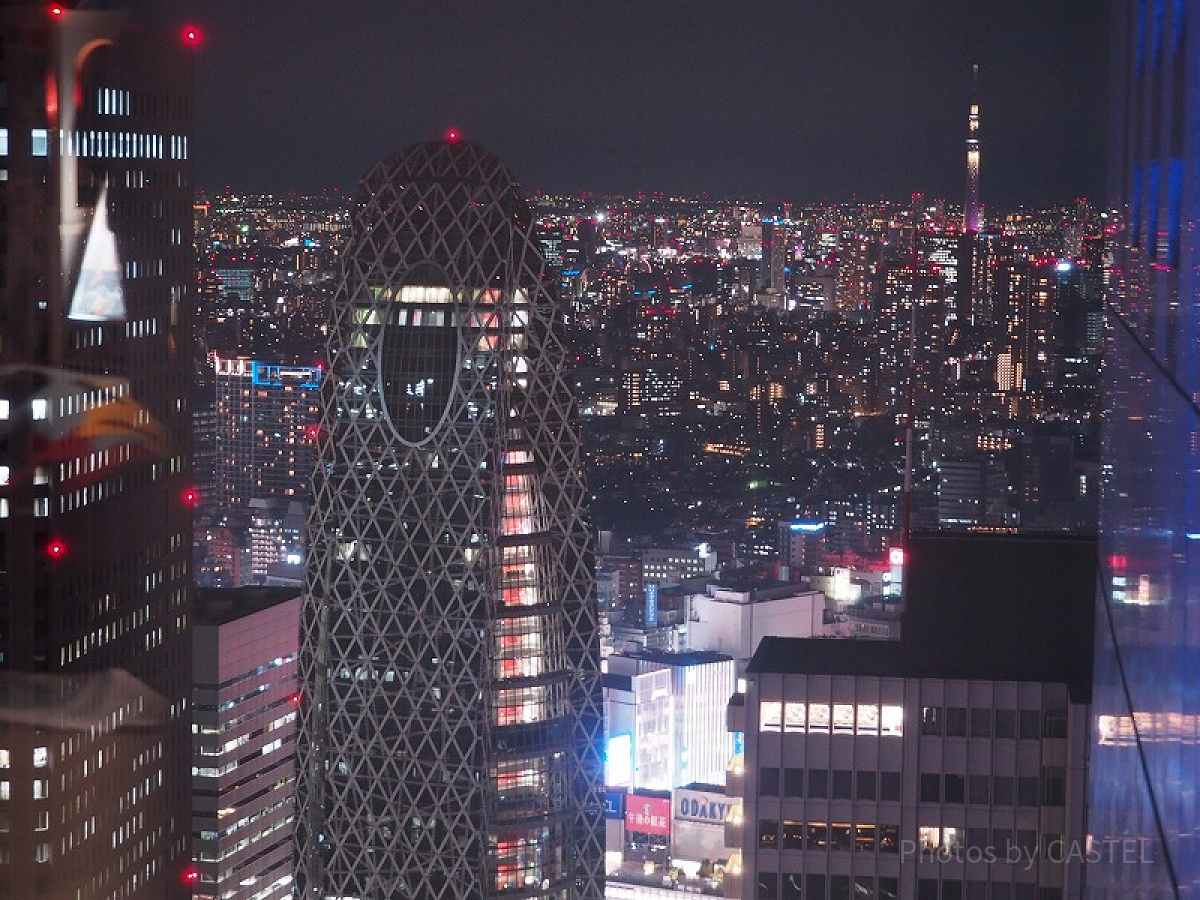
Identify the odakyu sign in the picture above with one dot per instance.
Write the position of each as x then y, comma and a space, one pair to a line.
701, 806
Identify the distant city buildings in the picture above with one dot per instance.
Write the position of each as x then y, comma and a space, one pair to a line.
795, 353
256, 434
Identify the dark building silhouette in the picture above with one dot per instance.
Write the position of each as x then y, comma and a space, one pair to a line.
96, 270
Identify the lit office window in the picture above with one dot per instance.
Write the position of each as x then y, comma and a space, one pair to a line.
770, 713
793, 716
843, 718
818, 717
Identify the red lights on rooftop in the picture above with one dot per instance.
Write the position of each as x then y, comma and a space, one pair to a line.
57, 10
192, 35
452, 135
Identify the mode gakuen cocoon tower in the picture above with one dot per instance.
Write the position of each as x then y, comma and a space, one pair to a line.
451, 716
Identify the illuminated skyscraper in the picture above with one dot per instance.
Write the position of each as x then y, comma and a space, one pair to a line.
451, 713
95, 456
265, 428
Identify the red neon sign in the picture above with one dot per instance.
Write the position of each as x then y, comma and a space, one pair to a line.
648, 815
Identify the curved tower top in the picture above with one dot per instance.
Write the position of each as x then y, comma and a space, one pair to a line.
451, 724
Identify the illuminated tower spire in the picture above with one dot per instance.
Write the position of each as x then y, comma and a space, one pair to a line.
971, 203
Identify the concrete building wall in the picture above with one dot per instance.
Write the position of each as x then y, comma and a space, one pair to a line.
913, 788
724, 623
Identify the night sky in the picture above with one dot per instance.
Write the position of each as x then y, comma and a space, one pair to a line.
777, 99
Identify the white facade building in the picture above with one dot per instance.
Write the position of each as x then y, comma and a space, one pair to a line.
733, 620
672, 707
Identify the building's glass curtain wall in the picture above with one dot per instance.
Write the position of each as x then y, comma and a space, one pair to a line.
96, 269
451, 717
1143, 809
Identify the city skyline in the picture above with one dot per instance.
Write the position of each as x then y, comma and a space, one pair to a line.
825, 102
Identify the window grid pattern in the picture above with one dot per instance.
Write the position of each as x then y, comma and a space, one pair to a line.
834, 793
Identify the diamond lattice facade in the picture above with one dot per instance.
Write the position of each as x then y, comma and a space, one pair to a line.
451, 712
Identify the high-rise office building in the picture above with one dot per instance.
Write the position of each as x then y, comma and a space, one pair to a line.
95, 529
1145, 756
244, 734
948, 765
266, 416
451, 711
771, 276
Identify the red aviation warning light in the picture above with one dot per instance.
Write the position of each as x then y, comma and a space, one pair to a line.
191, 496
297, 699
56, 548
57, 10
192, 35
190, 875
452, 135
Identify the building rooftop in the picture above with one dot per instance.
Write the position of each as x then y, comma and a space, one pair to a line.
220, 606
683, 658
616, 682
986, 607
702, 786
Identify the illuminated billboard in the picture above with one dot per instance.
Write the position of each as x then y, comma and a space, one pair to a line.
648, 815
618, 761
